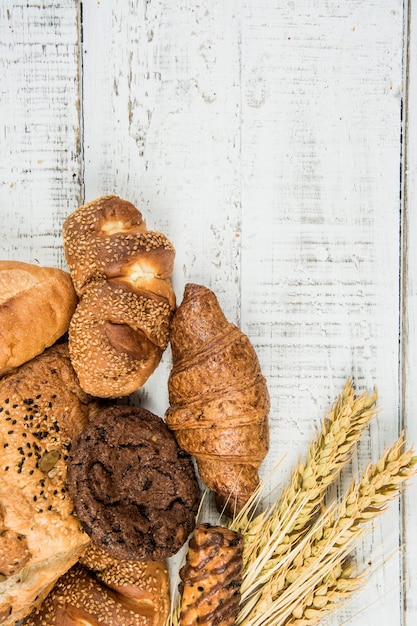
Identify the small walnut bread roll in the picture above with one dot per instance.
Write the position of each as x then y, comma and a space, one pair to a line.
211, 577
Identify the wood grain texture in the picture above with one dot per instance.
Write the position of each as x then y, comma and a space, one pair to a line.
40, 178
409, 313
323, 259
266, 140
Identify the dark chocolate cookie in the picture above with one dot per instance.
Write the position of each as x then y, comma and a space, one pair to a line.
134, 490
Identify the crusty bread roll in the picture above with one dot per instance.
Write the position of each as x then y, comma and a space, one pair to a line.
121, 272
36, 305
42, 410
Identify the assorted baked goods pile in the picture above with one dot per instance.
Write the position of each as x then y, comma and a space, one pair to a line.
96, 495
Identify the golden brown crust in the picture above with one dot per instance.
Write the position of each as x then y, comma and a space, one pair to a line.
91, 229
42, 410
121, 271
211, 577
101, 589
36, 305
117, 338
135, 581
219, 401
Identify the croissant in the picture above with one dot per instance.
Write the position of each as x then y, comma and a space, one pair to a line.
121, 273
211, 577
218, 398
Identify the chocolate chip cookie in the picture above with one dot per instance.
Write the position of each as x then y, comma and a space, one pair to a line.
134, 490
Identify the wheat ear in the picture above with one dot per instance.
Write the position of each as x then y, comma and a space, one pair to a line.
315, 580
272, 534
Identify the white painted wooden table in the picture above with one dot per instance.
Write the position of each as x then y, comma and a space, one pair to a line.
274, 142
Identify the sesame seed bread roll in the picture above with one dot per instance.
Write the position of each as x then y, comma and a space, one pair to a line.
36, 305
121, 272
136, 595
42, 410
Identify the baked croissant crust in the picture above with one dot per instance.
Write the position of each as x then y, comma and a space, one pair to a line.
219, 401
121, 273
211, 577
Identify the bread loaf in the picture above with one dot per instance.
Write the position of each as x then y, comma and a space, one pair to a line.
42, 410
36, 305
121, 272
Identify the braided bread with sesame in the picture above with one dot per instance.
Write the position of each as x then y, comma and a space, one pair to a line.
121, 273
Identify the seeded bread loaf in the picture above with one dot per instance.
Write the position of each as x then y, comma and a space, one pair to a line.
42, 409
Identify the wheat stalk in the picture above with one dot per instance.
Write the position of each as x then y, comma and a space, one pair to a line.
316, 579
272, 534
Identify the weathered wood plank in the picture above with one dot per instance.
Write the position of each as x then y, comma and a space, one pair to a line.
321, 210
409, 314
40, 180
